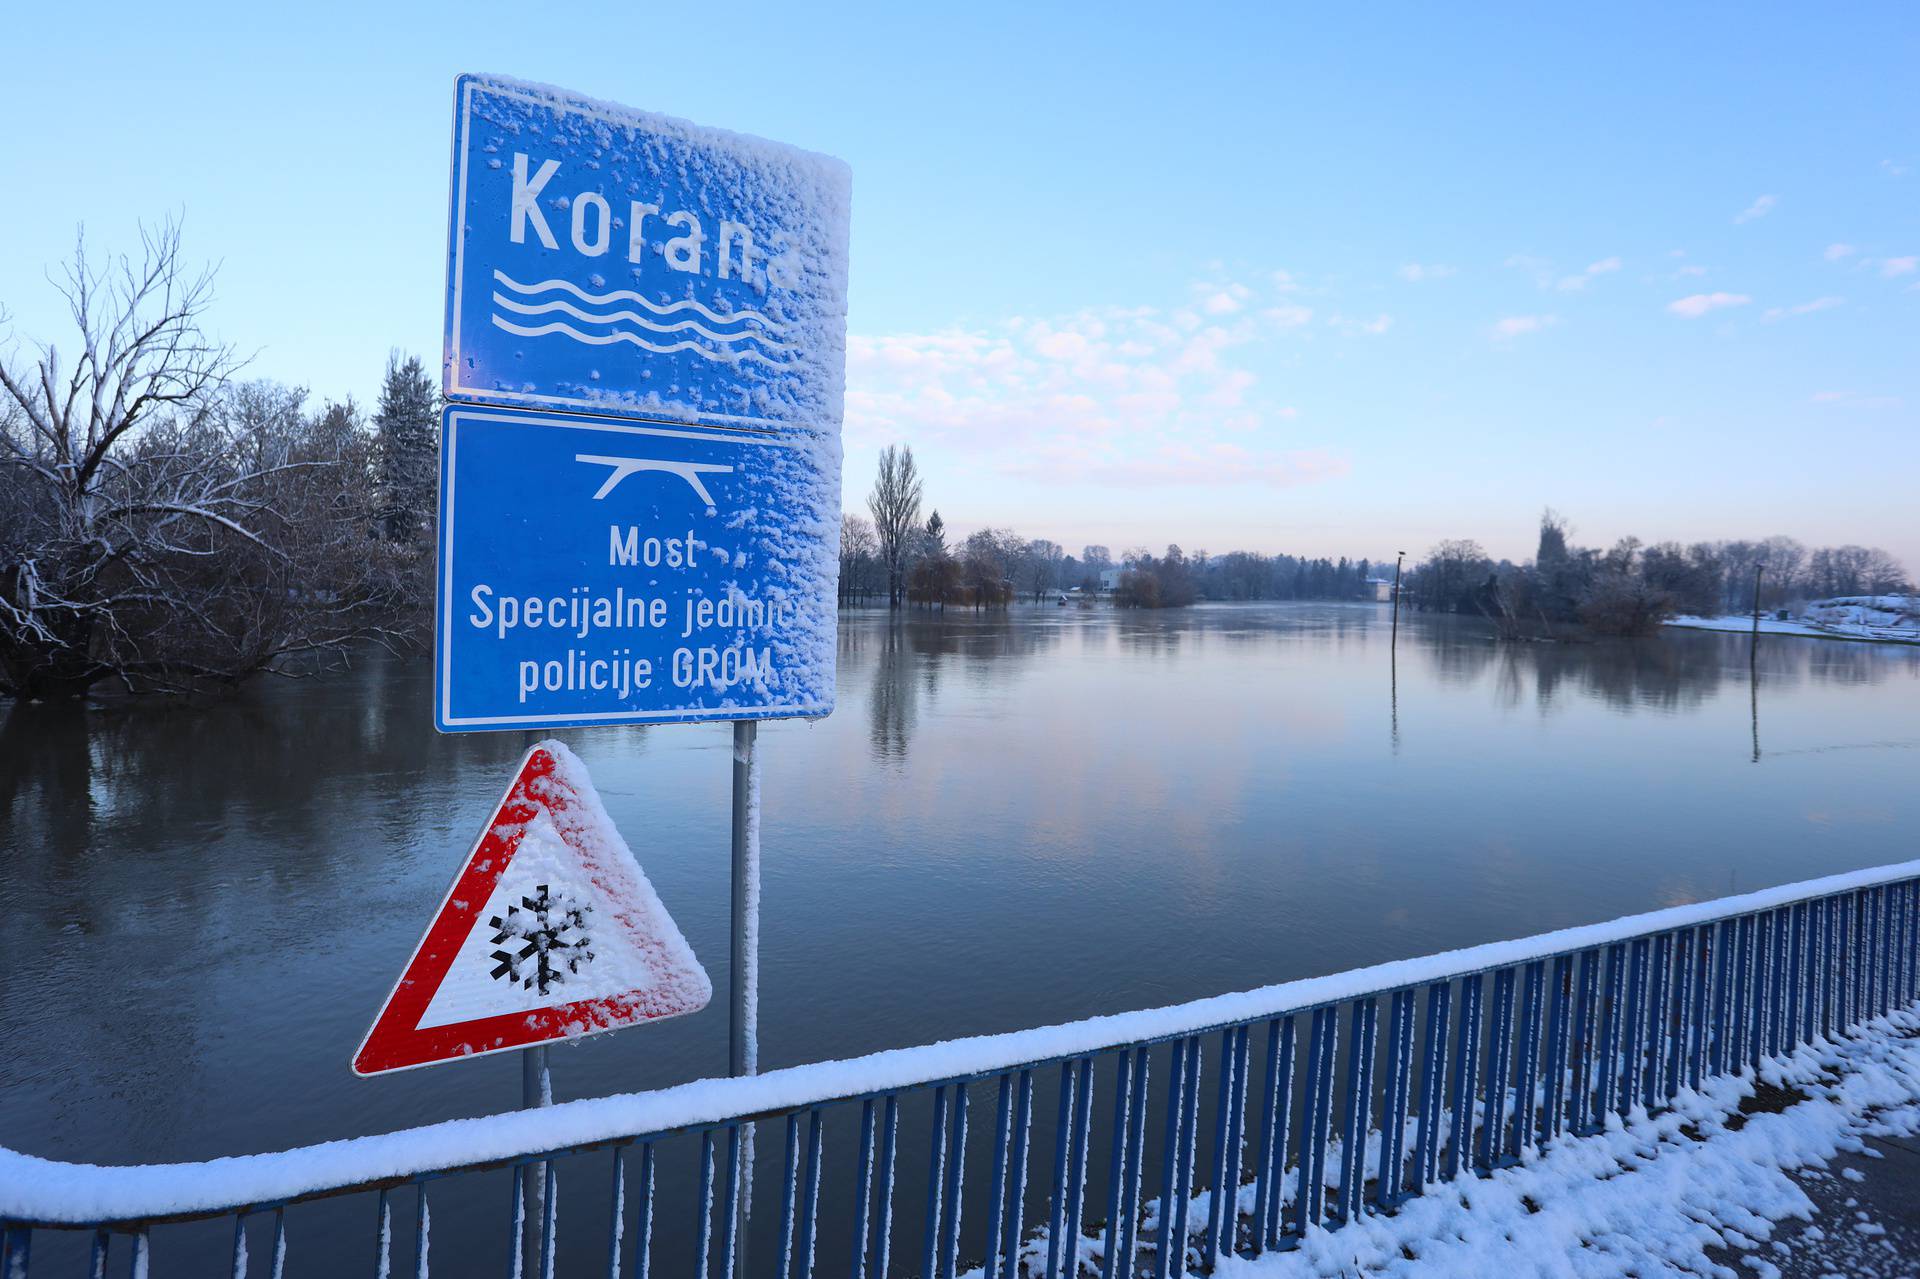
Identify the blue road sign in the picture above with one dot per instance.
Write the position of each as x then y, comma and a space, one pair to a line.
674, 557
598, 570
613, 261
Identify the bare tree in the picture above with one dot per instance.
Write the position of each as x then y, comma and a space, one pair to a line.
139, 498
1450, 578
895, 503
1040, 566
1882, 574
858, 546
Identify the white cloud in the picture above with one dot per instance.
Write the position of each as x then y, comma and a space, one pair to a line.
1415, 273
1231, 389
1761, 206
1805, 308
1892, 267
1854, 400
1691, 270
1060, 346
1378, 325
1283, 282
1289, 315
1223, 462
1895, 169
1222, 299
1539, 268
1512, 326
1572, 283
1835, 252
1698, 304
1123, 396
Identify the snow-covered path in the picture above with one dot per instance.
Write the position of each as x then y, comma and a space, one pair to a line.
1866, 1220
1719, 1186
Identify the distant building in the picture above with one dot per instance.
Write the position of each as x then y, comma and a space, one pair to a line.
1110, 578
1382, 589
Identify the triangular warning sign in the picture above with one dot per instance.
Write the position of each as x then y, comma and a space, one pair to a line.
550, 931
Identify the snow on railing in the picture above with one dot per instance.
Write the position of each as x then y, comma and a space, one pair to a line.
1531, 1039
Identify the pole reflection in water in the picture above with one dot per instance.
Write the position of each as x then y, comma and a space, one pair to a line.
1393, 684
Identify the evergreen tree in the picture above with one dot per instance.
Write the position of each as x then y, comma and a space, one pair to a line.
405, 451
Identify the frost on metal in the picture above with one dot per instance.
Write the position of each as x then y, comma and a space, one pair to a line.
618, 261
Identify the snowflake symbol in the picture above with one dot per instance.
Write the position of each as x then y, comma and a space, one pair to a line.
556, 943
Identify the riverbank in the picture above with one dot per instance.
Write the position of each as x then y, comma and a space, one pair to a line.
1742, 623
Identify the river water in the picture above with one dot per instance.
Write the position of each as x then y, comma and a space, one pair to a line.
1009, 820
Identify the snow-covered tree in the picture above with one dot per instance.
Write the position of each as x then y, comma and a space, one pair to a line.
158, 524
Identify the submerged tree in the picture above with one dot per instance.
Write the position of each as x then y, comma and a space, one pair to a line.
1042, 563
858, 547
986, 563
934, 578
1157, 583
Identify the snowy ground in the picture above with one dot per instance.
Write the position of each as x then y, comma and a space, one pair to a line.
1783, 1180
1866, 1219
1864, 617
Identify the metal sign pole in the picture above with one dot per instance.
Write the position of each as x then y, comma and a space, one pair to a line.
743, 973
536, 1090
742, 1048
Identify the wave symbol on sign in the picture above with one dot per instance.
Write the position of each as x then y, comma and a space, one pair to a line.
662, 328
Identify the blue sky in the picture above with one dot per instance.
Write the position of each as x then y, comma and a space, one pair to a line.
1265, 276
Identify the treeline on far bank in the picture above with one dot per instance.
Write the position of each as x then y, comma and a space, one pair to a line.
1631, 588
897, 557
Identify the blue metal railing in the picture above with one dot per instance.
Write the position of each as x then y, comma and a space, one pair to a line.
1482, 1054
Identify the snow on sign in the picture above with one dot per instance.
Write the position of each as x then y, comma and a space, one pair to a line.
640, 461
599, 570
615, 261
549, 931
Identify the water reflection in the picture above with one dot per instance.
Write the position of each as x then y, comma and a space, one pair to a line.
1669, 674
1012, 818
893, 695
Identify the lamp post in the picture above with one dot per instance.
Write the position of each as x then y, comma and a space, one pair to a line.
1398, 556
1757, 567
